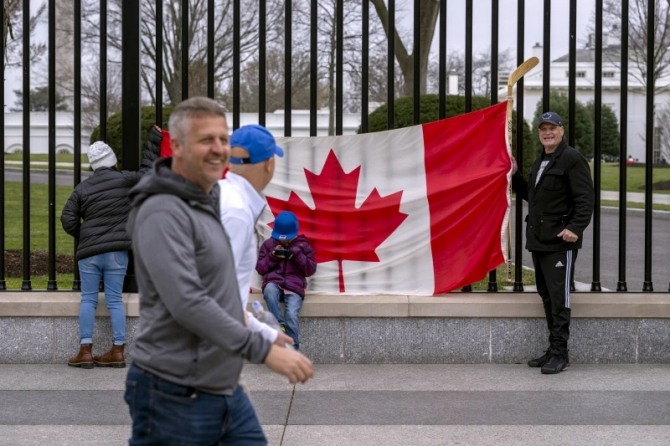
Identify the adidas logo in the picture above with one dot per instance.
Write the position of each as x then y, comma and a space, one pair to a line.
559, 264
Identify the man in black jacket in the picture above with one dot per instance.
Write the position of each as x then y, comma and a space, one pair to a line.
560, 199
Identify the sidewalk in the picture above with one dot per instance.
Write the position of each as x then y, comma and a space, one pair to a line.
41, 164
635, 197
347, 405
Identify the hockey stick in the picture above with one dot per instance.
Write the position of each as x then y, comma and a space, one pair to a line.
520, 72
513, 78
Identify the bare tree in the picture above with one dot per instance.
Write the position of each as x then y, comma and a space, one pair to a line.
90, 94
173, 46
13, 34
481, 70
274, 84
662, 133
428, 18
377, 84
65, 50
351, 46
197, 44
637, 38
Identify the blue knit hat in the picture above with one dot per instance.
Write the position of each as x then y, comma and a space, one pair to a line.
285, 227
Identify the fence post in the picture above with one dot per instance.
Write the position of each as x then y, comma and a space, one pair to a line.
130, 104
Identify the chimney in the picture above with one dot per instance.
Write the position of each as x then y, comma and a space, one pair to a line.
613, 38
537, 50
591, 42
453, 83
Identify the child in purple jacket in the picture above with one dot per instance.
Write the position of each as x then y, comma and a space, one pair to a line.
284, 261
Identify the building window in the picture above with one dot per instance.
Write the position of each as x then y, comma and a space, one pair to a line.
608, 74
577, 74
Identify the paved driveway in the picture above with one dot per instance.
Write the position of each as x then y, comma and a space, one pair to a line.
608, 261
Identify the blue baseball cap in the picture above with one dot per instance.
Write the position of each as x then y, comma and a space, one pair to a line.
285, 226
551, 118
256, 140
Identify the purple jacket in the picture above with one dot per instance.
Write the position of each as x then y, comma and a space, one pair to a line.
288, 273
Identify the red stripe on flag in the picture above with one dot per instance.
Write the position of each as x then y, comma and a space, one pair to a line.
467, 162
166, 148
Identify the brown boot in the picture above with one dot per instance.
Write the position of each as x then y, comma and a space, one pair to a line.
113, 358
84, 358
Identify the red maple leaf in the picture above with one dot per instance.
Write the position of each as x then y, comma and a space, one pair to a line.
337, 229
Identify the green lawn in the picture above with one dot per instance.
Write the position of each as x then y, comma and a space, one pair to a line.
39, 217
527, 278
635, 178
39, 229
63, 282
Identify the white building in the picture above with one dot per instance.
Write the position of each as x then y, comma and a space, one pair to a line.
39, 128
585, 90
39, 133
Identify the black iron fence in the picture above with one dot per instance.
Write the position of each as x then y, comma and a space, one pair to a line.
259, 55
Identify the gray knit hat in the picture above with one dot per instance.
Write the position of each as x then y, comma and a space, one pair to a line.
101, 155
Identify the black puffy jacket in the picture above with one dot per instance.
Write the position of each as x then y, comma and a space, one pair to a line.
98, 208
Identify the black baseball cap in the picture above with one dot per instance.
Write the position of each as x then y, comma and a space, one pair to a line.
551, 118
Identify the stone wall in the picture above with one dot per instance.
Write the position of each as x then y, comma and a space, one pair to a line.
42, 327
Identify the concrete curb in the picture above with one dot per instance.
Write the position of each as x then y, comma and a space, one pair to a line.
480, 305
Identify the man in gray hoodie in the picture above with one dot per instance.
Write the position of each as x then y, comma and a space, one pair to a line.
190, 344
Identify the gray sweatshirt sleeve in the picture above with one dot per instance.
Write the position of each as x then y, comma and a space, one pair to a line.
165, 241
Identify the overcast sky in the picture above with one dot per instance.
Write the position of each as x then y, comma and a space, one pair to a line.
534, 16
533, 25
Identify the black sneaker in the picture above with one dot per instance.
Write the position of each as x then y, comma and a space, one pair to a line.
542, 360
556, 364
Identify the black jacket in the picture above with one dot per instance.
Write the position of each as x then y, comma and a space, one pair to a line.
98, 208
563, 198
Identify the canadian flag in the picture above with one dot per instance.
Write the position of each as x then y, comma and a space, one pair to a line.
421, 210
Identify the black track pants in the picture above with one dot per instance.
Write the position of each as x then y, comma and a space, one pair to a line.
553, 272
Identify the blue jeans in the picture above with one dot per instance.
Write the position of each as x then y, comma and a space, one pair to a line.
165, 413
111, 268
273, 295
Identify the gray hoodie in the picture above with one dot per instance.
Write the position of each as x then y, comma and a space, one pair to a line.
191, 328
